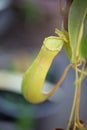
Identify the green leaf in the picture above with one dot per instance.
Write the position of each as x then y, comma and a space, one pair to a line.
75, 26
83, 48
83, 45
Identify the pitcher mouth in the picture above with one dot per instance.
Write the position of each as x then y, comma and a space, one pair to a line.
53, 43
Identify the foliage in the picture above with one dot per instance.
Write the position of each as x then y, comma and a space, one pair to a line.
75, 42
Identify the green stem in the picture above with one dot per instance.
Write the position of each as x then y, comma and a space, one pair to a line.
81, 71
75, 119
74, 127
78, 85
74, 102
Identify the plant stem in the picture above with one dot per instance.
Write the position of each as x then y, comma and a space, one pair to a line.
81, 71
78, 85
74, 102
61, 79
64, 12
75, 116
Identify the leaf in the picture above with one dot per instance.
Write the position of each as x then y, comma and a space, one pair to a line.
83, 45
75, 26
